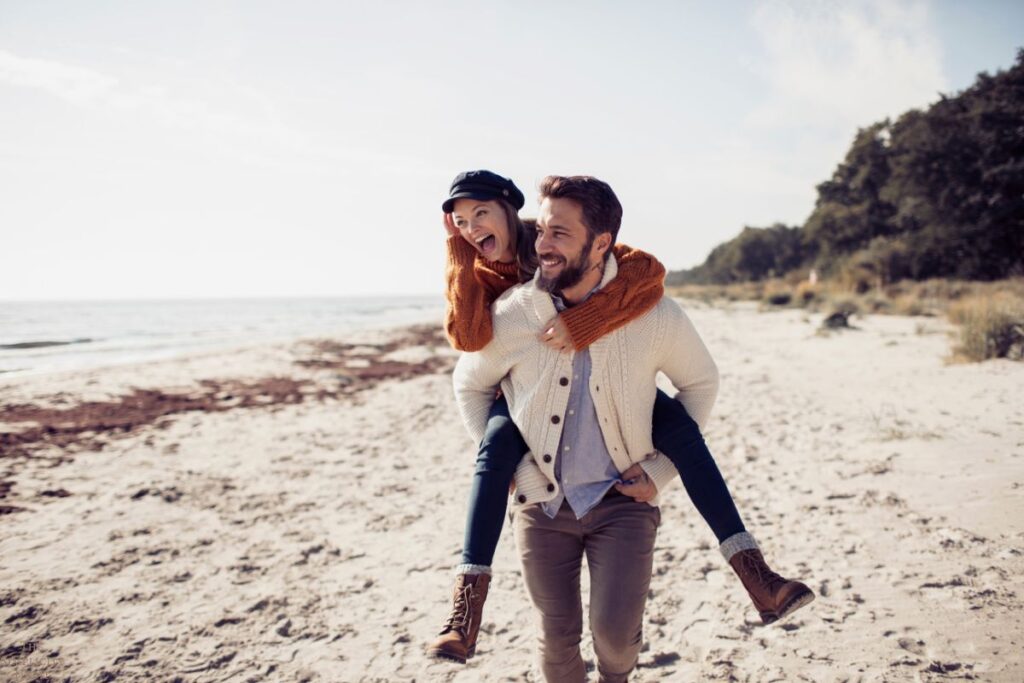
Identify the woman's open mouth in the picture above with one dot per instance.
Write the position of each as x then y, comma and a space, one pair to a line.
487, 245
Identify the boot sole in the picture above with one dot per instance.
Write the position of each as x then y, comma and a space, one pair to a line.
787, 609
449, 657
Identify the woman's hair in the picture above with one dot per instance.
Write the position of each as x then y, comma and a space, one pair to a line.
526, 252
522, 238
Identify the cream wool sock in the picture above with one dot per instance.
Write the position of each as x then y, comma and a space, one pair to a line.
737, 543
472, 569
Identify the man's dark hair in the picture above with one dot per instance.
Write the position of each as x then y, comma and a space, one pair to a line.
601, 209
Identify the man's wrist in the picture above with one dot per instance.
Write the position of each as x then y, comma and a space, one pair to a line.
660, 469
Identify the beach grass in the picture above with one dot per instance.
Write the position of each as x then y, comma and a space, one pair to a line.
989, 315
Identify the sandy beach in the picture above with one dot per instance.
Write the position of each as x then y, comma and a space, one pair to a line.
293, 512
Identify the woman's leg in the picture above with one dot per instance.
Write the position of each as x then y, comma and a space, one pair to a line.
500, 452
677, 436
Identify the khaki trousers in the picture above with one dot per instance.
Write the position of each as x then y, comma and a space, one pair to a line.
617, 538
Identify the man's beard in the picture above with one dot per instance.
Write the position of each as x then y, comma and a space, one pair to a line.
572, 272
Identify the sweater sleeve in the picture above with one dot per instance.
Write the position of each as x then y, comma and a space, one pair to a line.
688, 365
686, 362
473, 284
476, 377
467, 319
636, 289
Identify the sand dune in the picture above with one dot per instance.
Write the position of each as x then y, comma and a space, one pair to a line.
296, 516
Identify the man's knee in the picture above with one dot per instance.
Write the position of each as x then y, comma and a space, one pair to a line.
617, 647
560, 632
559, 643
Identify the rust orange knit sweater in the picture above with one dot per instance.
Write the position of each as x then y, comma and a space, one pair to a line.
474, 283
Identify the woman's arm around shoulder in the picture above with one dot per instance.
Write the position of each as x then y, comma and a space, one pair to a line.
636, 289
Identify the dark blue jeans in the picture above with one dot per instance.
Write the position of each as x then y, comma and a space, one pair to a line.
674, 433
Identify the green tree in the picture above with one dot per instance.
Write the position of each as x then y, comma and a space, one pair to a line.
850, 211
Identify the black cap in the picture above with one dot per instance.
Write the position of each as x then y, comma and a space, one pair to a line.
483, 185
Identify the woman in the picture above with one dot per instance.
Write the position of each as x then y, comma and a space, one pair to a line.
489, 251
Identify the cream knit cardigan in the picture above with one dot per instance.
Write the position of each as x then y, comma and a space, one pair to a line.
624, 366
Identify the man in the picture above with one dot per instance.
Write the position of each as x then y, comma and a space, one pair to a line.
591, 483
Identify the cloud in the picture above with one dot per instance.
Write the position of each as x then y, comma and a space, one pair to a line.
839, 66
72, 83
252, 128
93, 89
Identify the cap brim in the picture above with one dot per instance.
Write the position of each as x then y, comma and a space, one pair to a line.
449, 203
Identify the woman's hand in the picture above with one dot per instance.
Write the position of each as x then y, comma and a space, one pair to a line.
556, 335
449, 226
641, 489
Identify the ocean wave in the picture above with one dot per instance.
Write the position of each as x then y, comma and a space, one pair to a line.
44, 344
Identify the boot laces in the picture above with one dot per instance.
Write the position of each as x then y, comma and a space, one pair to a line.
760, 568
460, 617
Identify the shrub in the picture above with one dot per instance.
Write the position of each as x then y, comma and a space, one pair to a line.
878, 304
857, 277
806, 293
776, 293
778, 298
908, 304
990, 327
846, 307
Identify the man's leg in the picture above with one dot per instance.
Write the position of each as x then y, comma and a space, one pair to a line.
619, 541
551, 551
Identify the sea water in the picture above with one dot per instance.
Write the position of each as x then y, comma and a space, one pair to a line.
40, 337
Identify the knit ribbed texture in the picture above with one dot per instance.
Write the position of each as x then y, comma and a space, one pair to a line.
638, 287
736, 543
472, 569
625, 364
474, 283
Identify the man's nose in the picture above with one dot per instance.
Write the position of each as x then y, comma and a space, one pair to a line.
542, 240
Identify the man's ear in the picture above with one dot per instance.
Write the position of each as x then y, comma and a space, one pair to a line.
602, 243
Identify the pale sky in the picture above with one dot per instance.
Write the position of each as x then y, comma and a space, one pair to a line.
221, 149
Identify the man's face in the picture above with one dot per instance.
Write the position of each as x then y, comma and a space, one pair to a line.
564, 245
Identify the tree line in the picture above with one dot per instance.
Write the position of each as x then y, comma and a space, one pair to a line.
937, 193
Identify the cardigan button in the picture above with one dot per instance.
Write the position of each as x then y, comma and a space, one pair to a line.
564, 381
551, 487
547, 457
521, 498
555, 419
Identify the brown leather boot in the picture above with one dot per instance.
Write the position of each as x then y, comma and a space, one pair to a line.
774, 597
457, 640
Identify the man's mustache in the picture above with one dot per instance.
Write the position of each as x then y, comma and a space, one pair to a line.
549, 254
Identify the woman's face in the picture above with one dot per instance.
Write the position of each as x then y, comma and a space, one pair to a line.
484, 225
